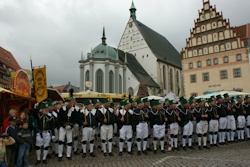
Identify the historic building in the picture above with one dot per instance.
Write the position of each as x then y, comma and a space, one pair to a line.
110, 70
154, 52
216, 56
8, 64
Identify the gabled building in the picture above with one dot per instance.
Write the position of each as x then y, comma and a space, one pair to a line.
155, 54
216, 56
8, 64
66, 88
110, 70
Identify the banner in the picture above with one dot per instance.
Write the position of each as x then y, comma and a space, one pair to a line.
20, 83
40, 83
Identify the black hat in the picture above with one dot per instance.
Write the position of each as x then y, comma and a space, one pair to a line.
12, 119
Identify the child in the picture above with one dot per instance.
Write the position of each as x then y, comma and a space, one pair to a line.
11, 151
24, 138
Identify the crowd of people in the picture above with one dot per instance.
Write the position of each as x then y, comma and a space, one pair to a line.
142, 122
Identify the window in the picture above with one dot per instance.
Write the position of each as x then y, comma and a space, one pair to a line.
99, 81
195, 53
164, 78
238, 57
225, 59
223, 74
120, 84
205, 76
237, 72
215, 61
209, 62
199, 63
193, 78
111, 82
86, 78
190, 65
171, 79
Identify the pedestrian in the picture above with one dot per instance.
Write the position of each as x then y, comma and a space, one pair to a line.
5, 140
24, 138
12, 113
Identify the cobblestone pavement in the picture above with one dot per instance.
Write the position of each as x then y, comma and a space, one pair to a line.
235, 154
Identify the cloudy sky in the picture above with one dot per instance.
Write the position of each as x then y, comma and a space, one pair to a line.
53, 32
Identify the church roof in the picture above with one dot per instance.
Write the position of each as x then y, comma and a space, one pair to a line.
159, 45
138, 71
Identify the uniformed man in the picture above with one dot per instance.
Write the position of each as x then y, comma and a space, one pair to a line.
222, 112
66, 121
241, 120
147, 108
173, 119
76, 110
106, 117
247, 109
126, 132
89, 121
202, 124
231, 126
213, 122
43, 136
141, 118
186, 118
194, 122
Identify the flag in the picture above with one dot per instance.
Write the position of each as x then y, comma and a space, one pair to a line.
40, 83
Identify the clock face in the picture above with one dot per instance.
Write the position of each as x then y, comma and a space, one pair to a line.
130, 24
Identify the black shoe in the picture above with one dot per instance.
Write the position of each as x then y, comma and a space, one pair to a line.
56, 155
69, 158
120, 153
225, 143
216, 145
115, 145
45, 162
206, 147
76, 153
155, 151
131, 153
99, 147
184, 148
59, 158
163, 151
200, 148
48, 156
83, 155
37, 162
139, 153
145, 152
177, 148
92, 154
104, 154
211, 145
221, 143
149, 149
111, 154
248, 138
191, 147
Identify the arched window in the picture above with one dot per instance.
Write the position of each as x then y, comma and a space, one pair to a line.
99, 81
111, 82
164, 78
177, 82
86, 78
120, 84
171, 80
130, 91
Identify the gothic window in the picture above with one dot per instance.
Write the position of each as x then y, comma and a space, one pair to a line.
171, 83
111, 82
164, 78
120, 84
99, 81
86, 78
130, 91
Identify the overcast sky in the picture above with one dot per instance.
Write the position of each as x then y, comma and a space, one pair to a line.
54, 32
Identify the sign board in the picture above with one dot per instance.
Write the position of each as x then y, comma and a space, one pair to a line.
20, 83
40, 83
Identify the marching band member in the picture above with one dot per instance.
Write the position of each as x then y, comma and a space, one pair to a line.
247, 109
89, 122
125, 119
147, 108
66, 121
76, 110
140, 118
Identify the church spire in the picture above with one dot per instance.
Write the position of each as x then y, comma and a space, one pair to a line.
132, 10
103, 37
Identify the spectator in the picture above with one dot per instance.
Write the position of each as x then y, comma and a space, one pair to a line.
23, 117
12, 113
24, 138
11, 151
5, 140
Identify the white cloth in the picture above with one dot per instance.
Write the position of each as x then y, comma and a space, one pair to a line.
106, 132
174, 128
188, 129
223, 123
65, 132
126, 132
201, 127
88, 134
142, 130
213, 126
56, 135
159, 131
231, 122
241, 121
44, 140
76, 130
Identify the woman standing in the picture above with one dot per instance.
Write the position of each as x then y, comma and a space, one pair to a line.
5, 140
